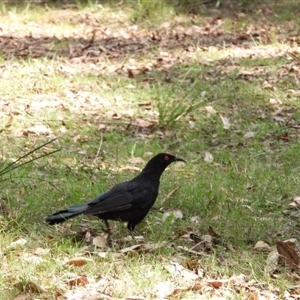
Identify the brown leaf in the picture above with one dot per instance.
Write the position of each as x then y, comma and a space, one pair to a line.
218, 283
288, 253
213, 233
116, 116
82, 280
77, 261
142, 123
9, 122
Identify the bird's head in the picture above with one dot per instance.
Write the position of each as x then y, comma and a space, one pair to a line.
160, 161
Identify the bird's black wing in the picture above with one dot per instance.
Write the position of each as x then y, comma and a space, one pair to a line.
122, 197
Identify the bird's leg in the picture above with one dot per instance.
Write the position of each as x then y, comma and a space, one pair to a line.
107, 227
130, 227
109, 242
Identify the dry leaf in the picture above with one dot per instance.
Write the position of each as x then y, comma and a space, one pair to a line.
249, 135
218, 282
142, 123
262, 246
177, 214
210, 110
41, 251
142, 248
21, 297
17, 243
82, 280
296, 202
275, 102
164, 289
38, 129
288, 253
33, 259
30, 287
136, 160
180, 271
101, 127
225, 121
77, 261
100, 241
208, 157
272, 262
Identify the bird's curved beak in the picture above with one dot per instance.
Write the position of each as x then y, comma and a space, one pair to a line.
180, 159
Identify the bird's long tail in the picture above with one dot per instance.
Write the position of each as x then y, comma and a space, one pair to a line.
68, 213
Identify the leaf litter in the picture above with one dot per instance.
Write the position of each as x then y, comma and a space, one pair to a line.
92, 48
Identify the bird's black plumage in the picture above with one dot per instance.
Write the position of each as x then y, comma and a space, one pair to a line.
129, 201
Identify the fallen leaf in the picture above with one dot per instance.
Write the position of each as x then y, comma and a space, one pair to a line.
101, 127
262, 246
212, 232
142, 248
296, 202
41, 251
17, 243
164, 289
178, 270
82, 280
77, 261
218, 282
176, 214
116, 116
275, 102
225, 121
30, 287
210, 110
272, 262
100, 241
33, 259
20, 297
208, 157
190, 251
136, 160
249, 135
288, 253
142, 123
38, 129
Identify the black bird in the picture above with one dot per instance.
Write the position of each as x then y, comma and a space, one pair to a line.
129, 201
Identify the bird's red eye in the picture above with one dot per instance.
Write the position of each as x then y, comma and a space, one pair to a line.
167, 157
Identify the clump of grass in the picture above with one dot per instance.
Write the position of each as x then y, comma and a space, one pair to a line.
174, 104
25, 159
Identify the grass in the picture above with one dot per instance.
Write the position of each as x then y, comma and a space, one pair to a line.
148, 89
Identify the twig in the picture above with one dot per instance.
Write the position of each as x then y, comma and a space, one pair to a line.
99, 148
192, 251
169, 196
